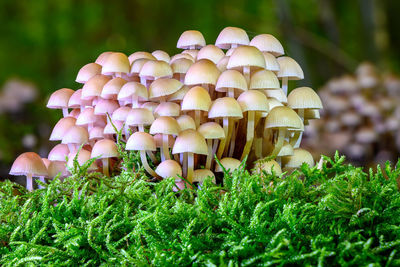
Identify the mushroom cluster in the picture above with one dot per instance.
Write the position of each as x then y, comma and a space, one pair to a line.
361, 117
220, 101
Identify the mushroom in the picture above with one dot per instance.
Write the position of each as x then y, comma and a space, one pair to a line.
299, 157
105, 149
59, 100
61, 127
59, 153
82, 156
231, 37
57, 168
121, 114
31, 165
270, 62
229, 164
76, 101
204, 73
192, 52
180, 56
87, 72
201, 174
191, 40
271, 167
101, 59
136, 67
153, 70
210, 131
116, 64
211, 52
87, 118
289, 70
231, 81
179, 68
161, 55
196, 99
111, 88
161, 88
75, 137
140, 55
169, 168
133, 92
268, 43
91, 90
142, 142
222, 63
167, 109
165, 126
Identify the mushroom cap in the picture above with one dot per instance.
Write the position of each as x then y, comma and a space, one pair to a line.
231, 79
304, 98
289, 68
211, 130
167, 109
286, 150
76, 135
181, 65
197, 98
230, 51
75, 113
253, 100
96, 133
277, 94
179, 95
230, 164
161, 55
283, 117
59, 99
312, 114
270, 62
105, 148
225, 107
83, 156
211, 52
93, 87
231, 36
223, 63
112, 88
121, 114
264, 79
191, 38
109, 128
181, 55
165, 125
76, 101
140, 55
105, 106
164, 87
200, 175
190, 141
140, 116
101, 59
268, 43
299, 157
246, 56
154, 69
58, 153
116, 62
192, 52
272, 103
141, 141
270, 165
138, 64
133, 88
203, 71
62, 126
186, 122
87, 72
57, 168
150, 106
86, 117
29, 163
169, 168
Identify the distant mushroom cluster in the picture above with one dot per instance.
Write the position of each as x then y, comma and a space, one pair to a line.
182, 112
361, 117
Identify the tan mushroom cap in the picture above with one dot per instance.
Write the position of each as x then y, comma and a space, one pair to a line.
29, 163
225, 107
211, 52
271, 63
253, 100
58, 153
161, 55
201, 174
164, 87
140, 116
57, 168
186, 122
286, 150
180, 56
109, 128
62, 126
264, 79
101, 59
96, 133
133, 88
304, 98
230, 164
88, 71
289, 68
105, 106
299, 157
192, 52
141, 141
82, 158
76, 135
203, 71
121, 114
154, 69
197, 98
59, 99
231, 36
268, 43
211, 130
190, 141
105, 148
283, 117
140, 55
165, 125
169, 168
167, 109
94, 86
112, 88
179, 95
181, 65
138, 64
191, 38
223, 63
276, 94
231, 79
76, 101
270, 166
116, 62
246, 56
86, 117
150, 106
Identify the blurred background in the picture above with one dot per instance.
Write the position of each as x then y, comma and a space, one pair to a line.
44, 43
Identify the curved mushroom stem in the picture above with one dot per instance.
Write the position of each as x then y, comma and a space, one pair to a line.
197, 117
29, 182
249, 135
301, 114
285, 85
164, 148
65, 112
224, 140
190, 164
152, 157
246, 74
135, 101
295, 138
146, 165
279, 142
106, 171
210, 154
229, 137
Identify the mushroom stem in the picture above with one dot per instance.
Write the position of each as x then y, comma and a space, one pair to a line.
279, 142
106, 171
29, 182
233, 139
210, 153
190, 166
249, 135
71, 148
246, 74
285, 85
135, 101
143, 81
65, 112
182, 77
146, 165
197, 118
184, 163
41, 178
223, 140
126, 130
301, 114
295, 138
164, 148
229, 137
152, 156
258, 144
231, 92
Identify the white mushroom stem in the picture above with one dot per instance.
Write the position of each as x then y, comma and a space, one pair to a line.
135, 101
295, 138
72, 148
249, 134
223, 140
126, 131
184, 163
210, 154
146, 165
190, 166
301, 114
65, 112
143, 81
29, 182
106, 171
246, 74
285, 85
164, 148
197, 117
229, 137
279, 143
82, 108
231, 92
233, 139
41, 178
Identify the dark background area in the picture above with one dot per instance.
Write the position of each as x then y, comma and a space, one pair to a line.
46, 42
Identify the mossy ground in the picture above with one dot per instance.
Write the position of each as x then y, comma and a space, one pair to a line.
338, 215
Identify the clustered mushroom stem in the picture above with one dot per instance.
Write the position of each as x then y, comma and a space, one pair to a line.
249, 134
126, 130
29, 182
182, 77
229, 136
210, 154
295, 139
197, 118
185, 163
65, 112
223, 140
146, 165
246, 74
135, 101
279, 142
143, 81
258, 144
41, 178
233, 139
105, 167
176, 158
71, 148
164, 148
231, 92
190, 164
285, 85
301, 114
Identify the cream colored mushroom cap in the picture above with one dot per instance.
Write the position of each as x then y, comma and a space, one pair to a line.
58, 153
232, 36
211, 52
270, 62
191, 38
155, 69
286, 150
133, 88
164, 87
76, 135
82, 158
186, 122
264, 79
268, 43
140, 55
253, 100
225, 107
116, 62
87, 72
299, 157
29, 163
283, 117
141, 141
169, 168
190, 141
211, 130
59, 99
112, 88
167, 109
61, 127
197, 98
231, 79
105, 148
230, 164
140, 116
203, 71
289, 68
270, 165
181, 65
94, 86
304, 98
161, 55
246, 56
200, 175
165, 125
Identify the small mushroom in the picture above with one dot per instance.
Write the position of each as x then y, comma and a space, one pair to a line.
105, 149
142, 142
